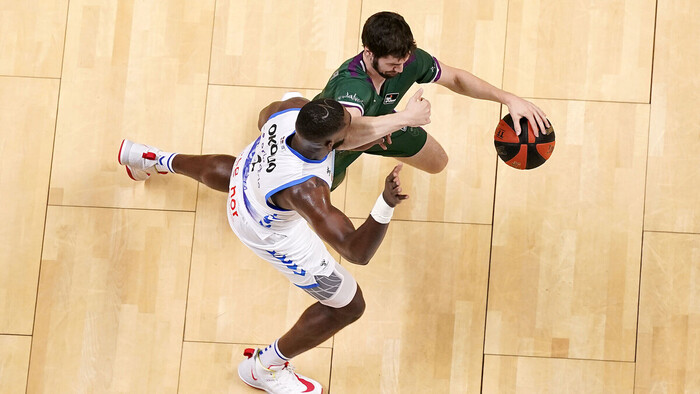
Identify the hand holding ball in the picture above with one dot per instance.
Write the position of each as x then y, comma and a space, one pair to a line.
524, 151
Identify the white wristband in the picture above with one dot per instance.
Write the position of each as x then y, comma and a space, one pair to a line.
382, 212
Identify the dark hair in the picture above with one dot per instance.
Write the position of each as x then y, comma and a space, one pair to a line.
319, 119
387, 34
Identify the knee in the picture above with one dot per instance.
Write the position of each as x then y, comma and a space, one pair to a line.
217, 174
439, 163
355, 309
223, 165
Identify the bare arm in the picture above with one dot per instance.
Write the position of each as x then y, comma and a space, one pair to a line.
312, 199
465, 83
368, 129
277, 106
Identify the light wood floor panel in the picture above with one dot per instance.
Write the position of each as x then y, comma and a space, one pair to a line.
134, 70
212, 368
668, 348
674, 141
283, 43
234, 295
27, 121
422, 331
31, 37
567, 239
463, 192
506, 375
111, 303
580, 49
14, 360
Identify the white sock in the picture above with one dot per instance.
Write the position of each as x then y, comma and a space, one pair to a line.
165, 162
271, 356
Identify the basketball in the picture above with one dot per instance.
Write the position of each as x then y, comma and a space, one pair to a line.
525, 151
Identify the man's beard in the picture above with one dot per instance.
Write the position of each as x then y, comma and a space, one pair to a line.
375, 65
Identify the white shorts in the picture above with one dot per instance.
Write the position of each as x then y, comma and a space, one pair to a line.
300, 255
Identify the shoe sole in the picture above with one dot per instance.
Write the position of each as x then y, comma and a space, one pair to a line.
246, 382
259, 388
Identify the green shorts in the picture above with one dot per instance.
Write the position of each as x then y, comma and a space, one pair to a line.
404, 143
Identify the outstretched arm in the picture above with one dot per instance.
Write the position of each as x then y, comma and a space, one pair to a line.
465, 83
312, 199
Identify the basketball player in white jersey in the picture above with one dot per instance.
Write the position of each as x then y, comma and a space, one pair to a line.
278, 191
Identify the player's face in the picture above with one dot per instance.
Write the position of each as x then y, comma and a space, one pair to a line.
389, 66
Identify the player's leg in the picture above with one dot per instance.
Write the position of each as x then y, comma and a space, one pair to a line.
323, 319
431, 158
211, 170
141, 161
302, 257
415, 147
268, 368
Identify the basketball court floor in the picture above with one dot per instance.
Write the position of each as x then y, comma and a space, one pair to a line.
582, 276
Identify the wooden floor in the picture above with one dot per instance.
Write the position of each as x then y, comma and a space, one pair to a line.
582, 276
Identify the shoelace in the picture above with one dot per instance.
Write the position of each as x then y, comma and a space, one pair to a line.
287, 373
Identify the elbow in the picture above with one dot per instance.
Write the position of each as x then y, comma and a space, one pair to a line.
357, 258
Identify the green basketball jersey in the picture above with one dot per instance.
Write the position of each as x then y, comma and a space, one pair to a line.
351, 86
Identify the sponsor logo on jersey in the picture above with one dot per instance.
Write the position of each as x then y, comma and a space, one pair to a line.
351, 97
390, 98
272, 143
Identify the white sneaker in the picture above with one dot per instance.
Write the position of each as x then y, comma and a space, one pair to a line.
278, 379
140, 160
289, 95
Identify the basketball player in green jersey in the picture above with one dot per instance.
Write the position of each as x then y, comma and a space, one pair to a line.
371, 84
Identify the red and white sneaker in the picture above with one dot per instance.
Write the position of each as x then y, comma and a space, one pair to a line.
141, 160
278, 379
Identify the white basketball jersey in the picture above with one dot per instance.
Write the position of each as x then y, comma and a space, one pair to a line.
269, 165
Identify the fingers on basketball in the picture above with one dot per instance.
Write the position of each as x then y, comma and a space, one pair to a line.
536, 124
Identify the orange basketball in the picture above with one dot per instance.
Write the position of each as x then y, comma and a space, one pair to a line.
524, 151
